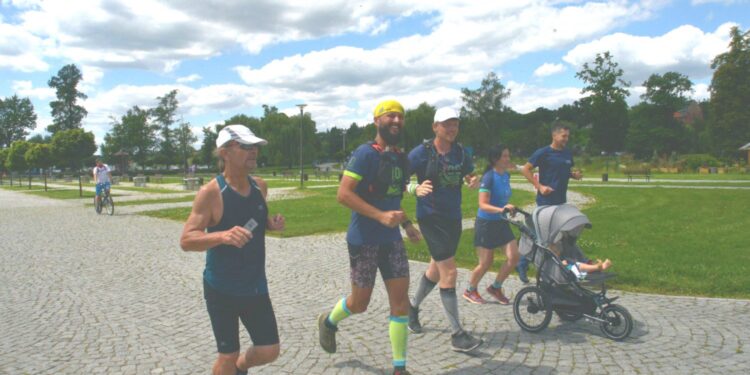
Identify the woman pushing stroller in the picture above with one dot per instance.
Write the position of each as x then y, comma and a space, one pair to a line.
490, 231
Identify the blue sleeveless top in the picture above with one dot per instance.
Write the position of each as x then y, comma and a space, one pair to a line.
239, 271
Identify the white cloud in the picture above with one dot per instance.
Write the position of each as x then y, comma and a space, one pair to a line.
20, 50
465, 44
526, 98
701, 92
725, 2
685, 49
190, 78
26, 89
548, 69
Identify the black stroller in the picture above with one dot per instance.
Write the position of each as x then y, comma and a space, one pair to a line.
558, 289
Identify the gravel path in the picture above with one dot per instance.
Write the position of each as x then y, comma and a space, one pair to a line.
89, 294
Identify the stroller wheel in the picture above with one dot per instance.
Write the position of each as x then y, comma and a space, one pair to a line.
530, 309
618, 323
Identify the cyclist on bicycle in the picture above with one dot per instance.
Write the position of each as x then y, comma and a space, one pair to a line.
103, 178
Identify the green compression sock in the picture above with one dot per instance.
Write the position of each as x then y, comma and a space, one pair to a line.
399, 335
339, 313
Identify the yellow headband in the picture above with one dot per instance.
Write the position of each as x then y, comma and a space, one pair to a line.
387, 106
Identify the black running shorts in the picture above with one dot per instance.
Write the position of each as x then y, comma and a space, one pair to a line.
491, 234
441, 234
255, 312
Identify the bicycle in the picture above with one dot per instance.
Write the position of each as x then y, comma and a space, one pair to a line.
105, 202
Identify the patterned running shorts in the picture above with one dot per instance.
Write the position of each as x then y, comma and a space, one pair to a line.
365, 260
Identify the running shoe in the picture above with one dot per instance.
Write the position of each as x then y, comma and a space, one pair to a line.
498, 294
414, 325
464, 342
474, 297
327, 334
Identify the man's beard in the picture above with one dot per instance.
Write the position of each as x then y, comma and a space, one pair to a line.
389, 138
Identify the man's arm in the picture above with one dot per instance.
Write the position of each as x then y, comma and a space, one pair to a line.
526, 172
348, 197
194, 236
276, 222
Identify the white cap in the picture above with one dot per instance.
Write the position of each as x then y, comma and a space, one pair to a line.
445, 113
241, 134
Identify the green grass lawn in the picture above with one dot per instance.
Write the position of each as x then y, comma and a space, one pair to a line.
64, 194
673, 241
683, 242
670, 241
321, 213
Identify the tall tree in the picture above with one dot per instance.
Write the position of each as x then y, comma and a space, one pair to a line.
185, 140
17, 117
606, 99
418, 125
66, 114
16, 159
482, 112
730, 95
653, 127
132, 134
206, 152
3, 157
40, 156
73, 148
164, 118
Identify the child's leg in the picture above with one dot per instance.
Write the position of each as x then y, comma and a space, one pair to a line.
598, 266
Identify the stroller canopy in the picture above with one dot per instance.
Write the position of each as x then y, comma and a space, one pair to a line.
553, 222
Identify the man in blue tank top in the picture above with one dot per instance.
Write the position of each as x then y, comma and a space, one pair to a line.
372, 187
229, 219
555, 163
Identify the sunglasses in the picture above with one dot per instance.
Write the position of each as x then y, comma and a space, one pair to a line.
247, 147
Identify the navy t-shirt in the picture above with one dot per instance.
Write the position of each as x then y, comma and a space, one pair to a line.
445, 198
498, 185
554, 171
363, 167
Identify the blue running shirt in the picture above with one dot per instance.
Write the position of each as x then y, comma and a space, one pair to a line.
554, 171
445, 199
363, 167
498, 185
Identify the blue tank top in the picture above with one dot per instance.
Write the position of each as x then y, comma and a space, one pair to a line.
239, 271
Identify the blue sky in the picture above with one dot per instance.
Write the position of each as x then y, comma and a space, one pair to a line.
229, 57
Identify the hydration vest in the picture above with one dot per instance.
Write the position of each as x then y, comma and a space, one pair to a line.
389, 179
434, 169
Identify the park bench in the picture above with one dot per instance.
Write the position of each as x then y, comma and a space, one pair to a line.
158, 178
192, 183
139, 181
68, 178
85, 179
115, 180
642, 173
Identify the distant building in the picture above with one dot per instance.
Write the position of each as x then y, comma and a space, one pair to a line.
746, 148
690, 114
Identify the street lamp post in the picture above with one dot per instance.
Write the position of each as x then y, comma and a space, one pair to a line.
301, 112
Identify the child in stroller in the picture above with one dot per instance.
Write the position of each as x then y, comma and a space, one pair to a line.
580, 269
548, 239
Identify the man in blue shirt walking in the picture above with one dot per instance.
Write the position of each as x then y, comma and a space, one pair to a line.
555, 163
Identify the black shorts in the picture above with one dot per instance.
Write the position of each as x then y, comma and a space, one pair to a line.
441, 234
225, 311
365, 260
491, 234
